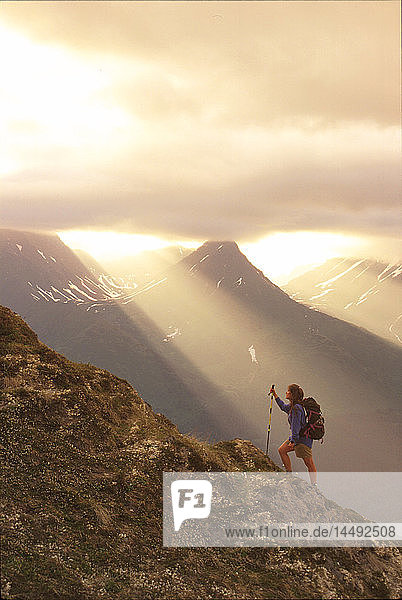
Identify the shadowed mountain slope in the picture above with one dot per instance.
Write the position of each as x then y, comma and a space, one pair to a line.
83, 457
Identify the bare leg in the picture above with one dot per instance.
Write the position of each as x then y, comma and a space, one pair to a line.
312, 471
283, 452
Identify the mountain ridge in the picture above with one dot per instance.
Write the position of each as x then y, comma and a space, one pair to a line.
360, 291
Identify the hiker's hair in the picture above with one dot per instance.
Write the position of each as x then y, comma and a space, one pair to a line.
296, 393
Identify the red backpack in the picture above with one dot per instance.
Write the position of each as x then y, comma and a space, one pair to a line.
314, 427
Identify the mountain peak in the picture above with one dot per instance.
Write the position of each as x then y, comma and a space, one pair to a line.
219, 249
222, 246
224, 259
226, 244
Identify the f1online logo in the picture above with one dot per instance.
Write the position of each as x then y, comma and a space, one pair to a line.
191, 499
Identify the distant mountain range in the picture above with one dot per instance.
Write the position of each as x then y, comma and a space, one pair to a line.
80, 313
40, 268
82, 463
364, 292
204, 340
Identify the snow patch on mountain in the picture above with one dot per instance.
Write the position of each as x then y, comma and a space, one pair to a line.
93, 306
252, 354
77, 289
392, 328
361, 272
82, 289
322, 294
384, 271
337, 265
170, 336
80, 300
364, 297
86, 286
61, 294
42, 293
329, 281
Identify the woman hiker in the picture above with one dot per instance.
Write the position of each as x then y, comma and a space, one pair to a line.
297, 419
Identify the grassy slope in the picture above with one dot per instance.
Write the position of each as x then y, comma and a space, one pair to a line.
82, 509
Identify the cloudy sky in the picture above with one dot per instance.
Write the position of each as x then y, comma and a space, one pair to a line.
201, 120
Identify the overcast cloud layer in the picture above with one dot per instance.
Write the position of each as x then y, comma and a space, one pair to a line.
201, 120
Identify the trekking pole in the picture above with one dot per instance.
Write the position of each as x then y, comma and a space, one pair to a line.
269, 420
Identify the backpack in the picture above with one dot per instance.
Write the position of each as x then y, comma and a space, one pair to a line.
314, 427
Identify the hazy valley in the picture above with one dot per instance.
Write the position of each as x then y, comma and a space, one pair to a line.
203, 341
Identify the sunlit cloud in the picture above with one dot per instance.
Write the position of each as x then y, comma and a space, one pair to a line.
194, 121
50, 103
111, 245
281, 253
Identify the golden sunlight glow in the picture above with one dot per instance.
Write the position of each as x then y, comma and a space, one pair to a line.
111, 245
53, 97
279, 254
7, 166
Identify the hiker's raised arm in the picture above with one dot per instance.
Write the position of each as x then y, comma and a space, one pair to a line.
282, 405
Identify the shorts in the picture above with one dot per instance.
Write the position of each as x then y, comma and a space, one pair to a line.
303, 451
